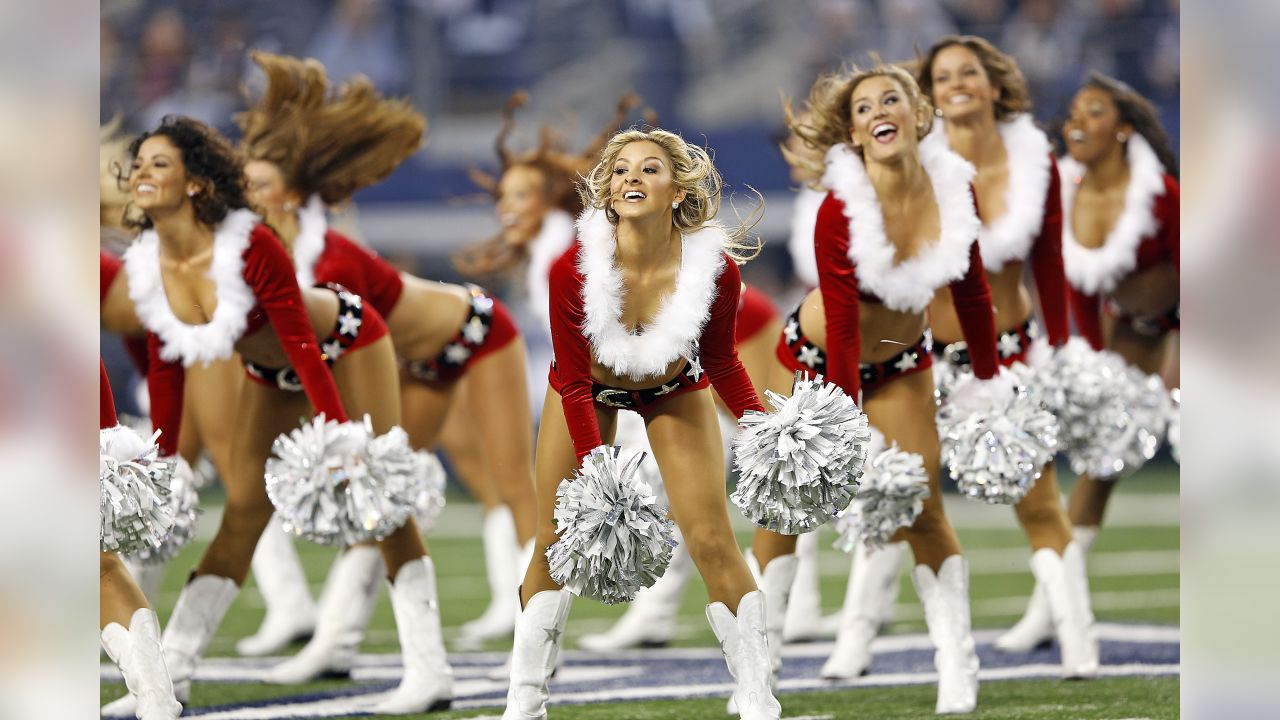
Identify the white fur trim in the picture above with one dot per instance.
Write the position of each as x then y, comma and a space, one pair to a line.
907, 286
309, 245
804, 218
1010, 236
1100, 269
553, 239
214, 340
680, 319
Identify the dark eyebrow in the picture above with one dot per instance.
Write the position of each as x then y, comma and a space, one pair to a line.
864, 97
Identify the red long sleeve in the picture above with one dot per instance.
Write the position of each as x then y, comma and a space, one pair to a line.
269, 272
360, 270
1170, 221
1087, 310
109, 267
971, 296
717, 350
573, 355
1046, 263
165, 381
106, 403
838, 283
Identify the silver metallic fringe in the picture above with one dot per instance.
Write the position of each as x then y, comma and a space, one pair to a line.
800, 465
614, 537
890, 497
135, 512
185, 501
431, 500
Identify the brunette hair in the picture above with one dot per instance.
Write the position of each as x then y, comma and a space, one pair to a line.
1001, 68
1141, 114
207, 157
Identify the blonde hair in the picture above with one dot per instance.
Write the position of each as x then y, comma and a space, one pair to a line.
830, 120
695, 173
1001, 69
326, 145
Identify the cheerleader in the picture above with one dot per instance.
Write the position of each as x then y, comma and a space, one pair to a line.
643, 317
130, 629
897, 225
308, 149
206, 278
1120, 252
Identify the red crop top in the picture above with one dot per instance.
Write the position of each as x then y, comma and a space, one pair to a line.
345, 262
276, 298
106, 402
716, 349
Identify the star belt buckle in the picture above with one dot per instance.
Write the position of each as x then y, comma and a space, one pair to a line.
605, 397
1146, 326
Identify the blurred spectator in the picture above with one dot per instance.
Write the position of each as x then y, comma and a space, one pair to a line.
1046, 36
908, 26
978, 17
360, 37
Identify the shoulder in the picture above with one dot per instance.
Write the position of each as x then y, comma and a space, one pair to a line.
565, 268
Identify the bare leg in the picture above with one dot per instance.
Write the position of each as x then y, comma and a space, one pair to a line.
499, 394
463, 444
1042, 516
118, 596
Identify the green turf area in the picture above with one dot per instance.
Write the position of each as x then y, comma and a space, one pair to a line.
1110, 698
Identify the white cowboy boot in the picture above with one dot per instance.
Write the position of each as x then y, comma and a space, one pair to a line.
1066, 585
1035, 628
539, 633
869, 600
775, 582
652, 617
346, 606
428, 680
501, 552
745, 643
804, 608
136, 651
945, 597
195, 619
148, 576
291, 613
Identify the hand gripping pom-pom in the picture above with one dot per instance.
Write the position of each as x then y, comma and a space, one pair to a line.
996, 450
185, 501
614, 536
800, 465
334, 484
890, 497
431, 500
135, 512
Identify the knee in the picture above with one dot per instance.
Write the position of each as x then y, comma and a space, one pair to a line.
1039, 514
709, 546
931, 523
247, 514
109, 563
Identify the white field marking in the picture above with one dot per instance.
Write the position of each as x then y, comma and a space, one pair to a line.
1017, 561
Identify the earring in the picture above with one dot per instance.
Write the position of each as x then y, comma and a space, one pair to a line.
937, 112
1121, 137
675, 204
288, 207
191, 193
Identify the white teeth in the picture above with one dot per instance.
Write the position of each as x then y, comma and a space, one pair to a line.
883, 128
1076, 136
961, 98
633, 195
146, 187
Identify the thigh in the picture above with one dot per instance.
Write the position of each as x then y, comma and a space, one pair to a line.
905, 411
265, 413
1143, 352
499, 402
212, 395
685, 437
369, 383
423, 408
555, 458
758, 357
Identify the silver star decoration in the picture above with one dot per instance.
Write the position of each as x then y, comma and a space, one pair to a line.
695, 369
353, 300
668, 389
348, 324
482, 304
906, 362
474, 331
1033, 330
792, 331
332, 349
456, 354
809, 356
1010, 344
553, 634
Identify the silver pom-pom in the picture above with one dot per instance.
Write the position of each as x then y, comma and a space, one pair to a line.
800, 465
614, 536
134, 508
996, 454
333, 484
890, 497
432, 478
1175, 424
185, 501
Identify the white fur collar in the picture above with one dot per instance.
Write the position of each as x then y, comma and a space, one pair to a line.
1010, 236
309, 245
910, 285
804, 218
1100, 269
214, 340
678, 323
553, 239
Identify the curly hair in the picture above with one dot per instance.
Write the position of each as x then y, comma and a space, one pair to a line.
559, 168
208, 158
693, 170
113, 199
1141, 114
830, 120
1001, 69
331, 146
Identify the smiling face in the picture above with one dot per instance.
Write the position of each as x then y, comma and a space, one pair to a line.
522, 198
884, 123
1091, 129
961, 86
158, 181
642, 181
267, 192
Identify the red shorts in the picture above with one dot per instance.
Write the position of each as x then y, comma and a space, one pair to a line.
755, 310
798, 354
358, 325
487, 328
691, 378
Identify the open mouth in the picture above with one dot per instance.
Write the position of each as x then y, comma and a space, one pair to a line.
144, 188
884, 132
633, 195
1075, 136
959, 98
